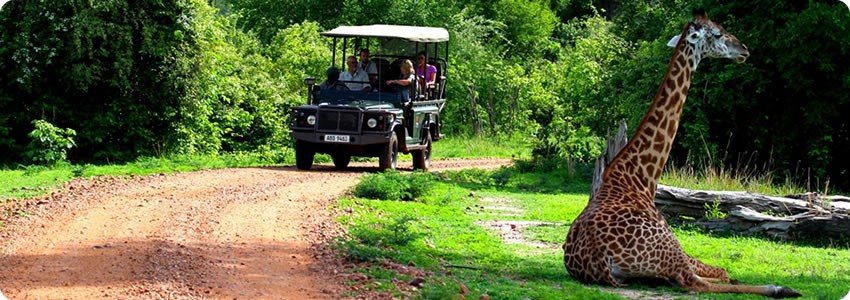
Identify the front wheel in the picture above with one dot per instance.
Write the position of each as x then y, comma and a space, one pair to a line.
422, 158
389, 155
304, 154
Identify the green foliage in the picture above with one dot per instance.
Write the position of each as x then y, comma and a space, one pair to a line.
49, 144
393, 185
111, 69
528, 26
371, 237
712, 211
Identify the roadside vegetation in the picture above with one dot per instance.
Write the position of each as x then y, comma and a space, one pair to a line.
499, 232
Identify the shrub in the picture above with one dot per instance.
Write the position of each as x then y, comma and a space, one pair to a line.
370, 240
49, 143
392, 185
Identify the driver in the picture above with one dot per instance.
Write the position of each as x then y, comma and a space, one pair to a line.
333, 83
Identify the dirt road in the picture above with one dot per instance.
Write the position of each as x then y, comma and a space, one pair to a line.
251, 233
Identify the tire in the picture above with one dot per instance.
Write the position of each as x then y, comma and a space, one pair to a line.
422, 158
304, 154
389, 155
341, 160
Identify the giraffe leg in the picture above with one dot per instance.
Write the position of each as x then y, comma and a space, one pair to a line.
709, 273
604, 271
695, 283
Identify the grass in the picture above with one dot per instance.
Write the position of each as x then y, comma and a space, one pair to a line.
711, 177
473, 147
446, 228
30, 181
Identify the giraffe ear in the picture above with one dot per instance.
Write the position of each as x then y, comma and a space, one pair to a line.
674, 41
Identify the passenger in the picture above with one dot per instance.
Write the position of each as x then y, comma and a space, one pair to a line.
407, 80
365, 64
333, 83
356, 79
369, 67
427, 73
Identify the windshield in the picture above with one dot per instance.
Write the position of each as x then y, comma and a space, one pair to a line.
358, 98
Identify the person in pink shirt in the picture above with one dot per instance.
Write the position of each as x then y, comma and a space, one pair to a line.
426, 73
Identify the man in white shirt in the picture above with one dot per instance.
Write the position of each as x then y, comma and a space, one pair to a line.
356, 79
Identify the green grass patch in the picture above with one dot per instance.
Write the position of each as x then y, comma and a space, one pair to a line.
471, 147
447, 233
440, 234
29, 181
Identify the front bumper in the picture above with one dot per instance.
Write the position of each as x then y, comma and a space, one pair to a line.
354, 139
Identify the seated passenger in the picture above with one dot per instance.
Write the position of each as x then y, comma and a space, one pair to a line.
356, 79
370, 67
333, 83
365, 64
427, 73
406, 84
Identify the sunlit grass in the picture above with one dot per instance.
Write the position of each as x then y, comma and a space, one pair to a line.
470, 147
721, 179
449, 232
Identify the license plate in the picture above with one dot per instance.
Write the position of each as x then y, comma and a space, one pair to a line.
336, 138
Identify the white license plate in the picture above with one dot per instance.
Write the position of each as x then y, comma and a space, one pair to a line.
336, 138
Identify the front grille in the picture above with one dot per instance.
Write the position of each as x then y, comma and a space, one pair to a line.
347, 121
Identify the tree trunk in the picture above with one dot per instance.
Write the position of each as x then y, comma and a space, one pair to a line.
612, 147
491, 110
476, 121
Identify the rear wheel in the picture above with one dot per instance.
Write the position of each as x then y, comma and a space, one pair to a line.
389, 155
341, 160
422, 158
304, 154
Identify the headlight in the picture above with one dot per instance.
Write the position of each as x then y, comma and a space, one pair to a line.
372, 123
311, 120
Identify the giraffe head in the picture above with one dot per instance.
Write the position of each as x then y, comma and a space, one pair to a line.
709, 39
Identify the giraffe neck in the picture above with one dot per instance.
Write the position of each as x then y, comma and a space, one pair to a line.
637, 167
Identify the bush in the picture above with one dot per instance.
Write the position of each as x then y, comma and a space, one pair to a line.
49, 143
373, 239
392, 185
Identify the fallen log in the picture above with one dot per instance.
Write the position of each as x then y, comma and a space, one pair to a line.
752, 213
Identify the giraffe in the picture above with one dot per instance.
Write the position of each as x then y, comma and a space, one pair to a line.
620, 235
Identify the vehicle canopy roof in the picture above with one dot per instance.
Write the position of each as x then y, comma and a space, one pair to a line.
410, 33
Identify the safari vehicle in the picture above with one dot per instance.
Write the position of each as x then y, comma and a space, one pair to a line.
381, 122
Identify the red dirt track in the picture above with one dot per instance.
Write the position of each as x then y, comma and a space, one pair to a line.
249, 233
